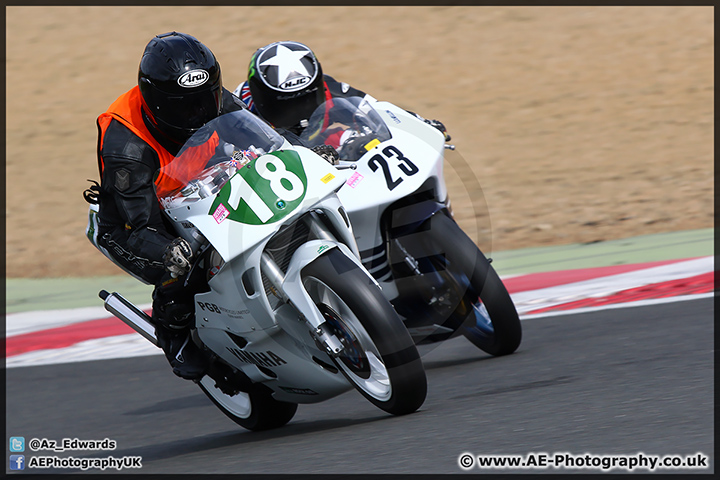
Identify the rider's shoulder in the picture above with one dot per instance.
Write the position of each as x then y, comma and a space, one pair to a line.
120, 144
341, 89
232, 102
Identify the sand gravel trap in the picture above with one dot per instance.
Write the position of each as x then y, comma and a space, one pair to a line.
580, 123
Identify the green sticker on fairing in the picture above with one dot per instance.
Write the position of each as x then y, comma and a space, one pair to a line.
263, 191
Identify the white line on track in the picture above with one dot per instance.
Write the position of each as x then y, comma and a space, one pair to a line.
639, 303
131, 345
530, 300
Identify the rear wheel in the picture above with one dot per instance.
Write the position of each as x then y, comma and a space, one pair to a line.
254, 410
378, 358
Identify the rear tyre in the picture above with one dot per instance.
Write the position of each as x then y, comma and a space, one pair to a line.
255, 410
379, 358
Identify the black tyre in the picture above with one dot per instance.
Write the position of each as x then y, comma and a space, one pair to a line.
379, 357
256, 410
496, 328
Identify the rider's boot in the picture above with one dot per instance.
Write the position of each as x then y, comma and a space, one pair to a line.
185, 357
173, 314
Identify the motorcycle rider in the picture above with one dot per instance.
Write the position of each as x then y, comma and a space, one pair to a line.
286, 84
179, 90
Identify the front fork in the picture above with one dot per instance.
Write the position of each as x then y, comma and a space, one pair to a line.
421, 272
319, 329
440, 292
290, 288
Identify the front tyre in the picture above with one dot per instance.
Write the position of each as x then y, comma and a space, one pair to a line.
379, 357
255, 410
494, 325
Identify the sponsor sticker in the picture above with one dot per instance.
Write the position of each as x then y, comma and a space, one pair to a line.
221, 213
354, 179
372, 144
327, 178
392, 115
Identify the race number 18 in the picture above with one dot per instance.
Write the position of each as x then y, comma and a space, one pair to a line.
283, 183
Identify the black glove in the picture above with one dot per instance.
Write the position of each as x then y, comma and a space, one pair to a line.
439, 125
328, 152
433, 123
354, 147
177, 257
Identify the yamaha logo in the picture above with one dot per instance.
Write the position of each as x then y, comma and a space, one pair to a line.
193, 78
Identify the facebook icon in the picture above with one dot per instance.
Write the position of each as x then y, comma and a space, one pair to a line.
17, 462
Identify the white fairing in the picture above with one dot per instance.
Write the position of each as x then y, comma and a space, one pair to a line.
367, 194
231, 239
408, 157
263, 325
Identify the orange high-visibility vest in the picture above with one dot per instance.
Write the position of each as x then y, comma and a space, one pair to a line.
127, 109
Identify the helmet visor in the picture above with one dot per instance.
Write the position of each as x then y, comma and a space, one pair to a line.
189, 111
287, 112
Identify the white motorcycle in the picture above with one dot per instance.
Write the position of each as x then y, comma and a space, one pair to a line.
437, 279
286, 307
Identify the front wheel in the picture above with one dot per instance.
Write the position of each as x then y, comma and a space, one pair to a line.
379, 357
255, 410
493, 324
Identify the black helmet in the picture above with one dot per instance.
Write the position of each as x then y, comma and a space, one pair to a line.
286, 83
180, 83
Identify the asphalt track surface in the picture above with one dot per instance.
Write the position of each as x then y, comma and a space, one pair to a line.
610, 382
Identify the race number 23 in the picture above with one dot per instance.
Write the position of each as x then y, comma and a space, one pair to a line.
393, 154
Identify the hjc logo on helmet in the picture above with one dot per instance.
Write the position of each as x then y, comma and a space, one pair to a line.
293, 83
193, 78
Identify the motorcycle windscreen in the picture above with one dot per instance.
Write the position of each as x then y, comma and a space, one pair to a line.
350, 125
205, 161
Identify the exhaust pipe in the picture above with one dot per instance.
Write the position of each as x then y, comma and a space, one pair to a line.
130, 314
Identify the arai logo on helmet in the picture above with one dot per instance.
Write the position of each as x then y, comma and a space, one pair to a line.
193, 78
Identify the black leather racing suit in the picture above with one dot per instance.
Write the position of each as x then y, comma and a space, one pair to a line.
131, 226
